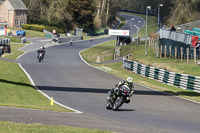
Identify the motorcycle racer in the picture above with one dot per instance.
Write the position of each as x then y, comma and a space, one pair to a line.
128, 82
41, 50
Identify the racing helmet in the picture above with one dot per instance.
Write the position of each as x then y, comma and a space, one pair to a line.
129, 80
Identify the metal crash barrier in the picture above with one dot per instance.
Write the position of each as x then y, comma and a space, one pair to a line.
5, 47
183, 81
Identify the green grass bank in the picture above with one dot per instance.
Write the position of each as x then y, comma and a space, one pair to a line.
12, 127
16, 89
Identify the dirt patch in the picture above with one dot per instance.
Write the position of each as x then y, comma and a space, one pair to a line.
5, 54
98, 59
107, 51
107, 68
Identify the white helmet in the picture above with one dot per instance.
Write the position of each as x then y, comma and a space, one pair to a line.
129, 80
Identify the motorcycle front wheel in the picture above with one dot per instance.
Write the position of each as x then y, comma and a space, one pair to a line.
108, 105
118, 102
40, 58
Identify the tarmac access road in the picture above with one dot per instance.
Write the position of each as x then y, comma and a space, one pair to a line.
66, 77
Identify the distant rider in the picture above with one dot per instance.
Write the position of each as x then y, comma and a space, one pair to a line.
91, 39
128, 82
71, 41
41, 50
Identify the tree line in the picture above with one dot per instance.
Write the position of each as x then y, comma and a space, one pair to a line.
67, 14
174, 12
91, 14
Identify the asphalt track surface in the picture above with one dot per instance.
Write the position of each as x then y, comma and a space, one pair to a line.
66, 77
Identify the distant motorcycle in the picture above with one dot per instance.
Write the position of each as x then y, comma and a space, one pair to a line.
41, 55
91, 39
120, 97
71, 42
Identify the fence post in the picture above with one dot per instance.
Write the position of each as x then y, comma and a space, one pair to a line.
157, 49
150, 43
153, 45
170, 51
165, 51
181, 53
160, 51
195, 55
175, 52
187, 55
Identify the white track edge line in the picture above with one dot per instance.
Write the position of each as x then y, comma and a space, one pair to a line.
32, 82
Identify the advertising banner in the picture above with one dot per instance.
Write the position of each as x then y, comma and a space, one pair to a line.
118, 32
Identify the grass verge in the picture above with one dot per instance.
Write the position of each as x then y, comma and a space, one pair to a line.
12, 127
14, 51
171, 64
16, 89
29, 33
138, 54
106, 50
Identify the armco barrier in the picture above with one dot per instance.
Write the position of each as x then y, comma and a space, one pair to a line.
67, 39
183, 81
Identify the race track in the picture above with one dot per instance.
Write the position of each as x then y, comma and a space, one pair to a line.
66, 77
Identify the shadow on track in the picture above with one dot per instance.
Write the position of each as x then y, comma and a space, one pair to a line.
96, 90
125, 109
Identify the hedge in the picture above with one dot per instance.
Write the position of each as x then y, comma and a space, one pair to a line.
33, 27
42, 27
26, 26
37, 28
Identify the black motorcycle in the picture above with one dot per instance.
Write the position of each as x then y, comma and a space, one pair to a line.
120, 97
41, 56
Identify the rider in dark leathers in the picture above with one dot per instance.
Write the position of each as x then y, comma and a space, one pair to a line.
128, 82
41, 50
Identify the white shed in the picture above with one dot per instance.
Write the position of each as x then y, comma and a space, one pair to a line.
3, 28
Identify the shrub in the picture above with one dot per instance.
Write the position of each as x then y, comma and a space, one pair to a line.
42, 27
26, 26
51, 28
33, 27
37, 27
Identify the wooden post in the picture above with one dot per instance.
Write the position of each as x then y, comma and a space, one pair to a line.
187, 55
181, 53
157, 50
160, 51
195, 56
149, 43
175, 52
154, 43
155, 47
170, 51
165, 51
